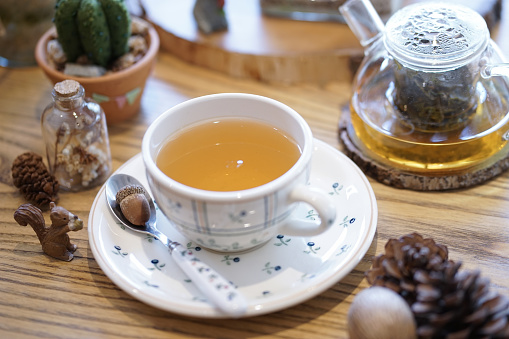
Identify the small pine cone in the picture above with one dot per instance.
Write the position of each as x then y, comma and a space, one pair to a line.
30, 175
446, 303
406, 262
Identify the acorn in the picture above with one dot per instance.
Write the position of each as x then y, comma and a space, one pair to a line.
134, 204
380, 313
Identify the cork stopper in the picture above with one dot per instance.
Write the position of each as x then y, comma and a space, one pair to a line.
67, 88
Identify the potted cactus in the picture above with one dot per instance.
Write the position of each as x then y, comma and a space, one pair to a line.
97, 43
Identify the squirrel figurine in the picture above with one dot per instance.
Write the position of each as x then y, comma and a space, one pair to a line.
54, 239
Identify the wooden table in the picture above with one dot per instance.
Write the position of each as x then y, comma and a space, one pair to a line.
43, 297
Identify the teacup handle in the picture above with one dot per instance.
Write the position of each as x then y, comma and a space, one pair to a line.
321, 203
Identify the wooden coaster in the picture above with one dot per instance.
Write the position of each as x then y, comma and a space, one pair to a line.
400, 179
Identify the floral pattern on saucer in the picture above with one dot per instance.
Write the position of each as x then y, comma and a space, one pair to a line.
281, 273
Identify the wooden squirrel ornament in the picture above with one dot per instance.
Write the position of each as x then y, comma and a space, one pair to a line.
54, 239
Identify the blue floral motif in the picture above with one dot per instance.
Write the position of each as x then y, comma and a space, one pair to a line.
150, 284
282, 241
156, 264
255, 241
118, 251
121, 225
229, 260
150, 238
200, 299
232, 295
212, 244
210, 276
307, 276
188, 252
343, 249
336, 188
204, 270
174, 206
268, 268
235, 246
238, 218
190, 247
346, 221
312, 215
312, 248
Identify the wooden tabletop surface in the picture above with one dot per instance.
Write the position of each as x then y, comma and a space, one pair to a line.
43, 297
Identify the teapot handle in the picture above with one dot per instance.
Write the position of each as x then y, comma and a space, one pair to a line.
489, 71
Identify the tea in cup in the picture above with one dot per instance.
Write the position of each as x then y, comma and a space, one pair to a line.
228, 154
229, 169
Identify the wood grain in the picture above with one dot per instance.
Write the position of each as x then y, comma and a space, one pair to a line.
41, 297
270, 49
256, 46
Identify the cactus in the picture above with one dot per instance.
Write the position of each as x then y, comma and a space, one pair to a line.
65, 23
119, 23
98, 28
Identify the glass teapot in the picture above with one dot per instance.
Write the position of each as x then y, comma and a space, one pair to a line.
431, 93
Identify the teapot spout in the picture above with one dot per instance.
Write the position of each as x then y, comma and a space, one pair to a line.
363, 20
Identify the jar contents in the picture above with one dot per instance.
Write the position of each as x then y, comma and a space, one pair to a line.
76, 137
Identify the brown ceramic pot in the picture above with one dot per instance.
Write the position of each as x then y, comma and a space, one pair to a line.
118, 93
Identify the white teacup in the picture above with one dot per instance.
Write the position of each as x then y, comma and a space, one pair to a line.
237, 220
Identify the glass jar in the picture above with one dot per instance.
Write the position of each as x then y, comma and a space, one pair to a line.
76, 137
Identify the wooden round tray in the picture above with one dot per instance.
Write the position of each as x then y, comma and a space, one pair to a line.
256, 46
269, 49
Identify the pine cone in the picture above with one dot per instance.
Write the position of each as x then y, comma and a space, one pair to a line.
405, 260
30, 175
446, 303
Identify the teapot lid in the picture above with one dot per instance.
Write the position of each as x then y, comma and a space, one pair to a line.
434, 35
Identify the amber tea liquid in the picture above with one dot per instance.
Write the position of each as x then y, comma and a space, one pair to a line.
377, 131
228, 154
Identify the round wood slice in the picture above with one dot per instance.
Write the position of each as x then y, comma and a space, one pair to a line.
269, 49
400, 179
256, 46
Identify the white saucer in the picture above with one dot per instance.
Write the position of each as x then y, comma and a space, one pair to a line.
282, 273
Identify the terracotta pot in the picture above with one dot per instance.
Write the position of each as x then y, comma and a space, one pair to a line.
118, 93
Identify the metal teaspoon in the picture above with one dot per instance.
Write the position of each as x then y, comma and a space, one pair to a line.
218, 290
